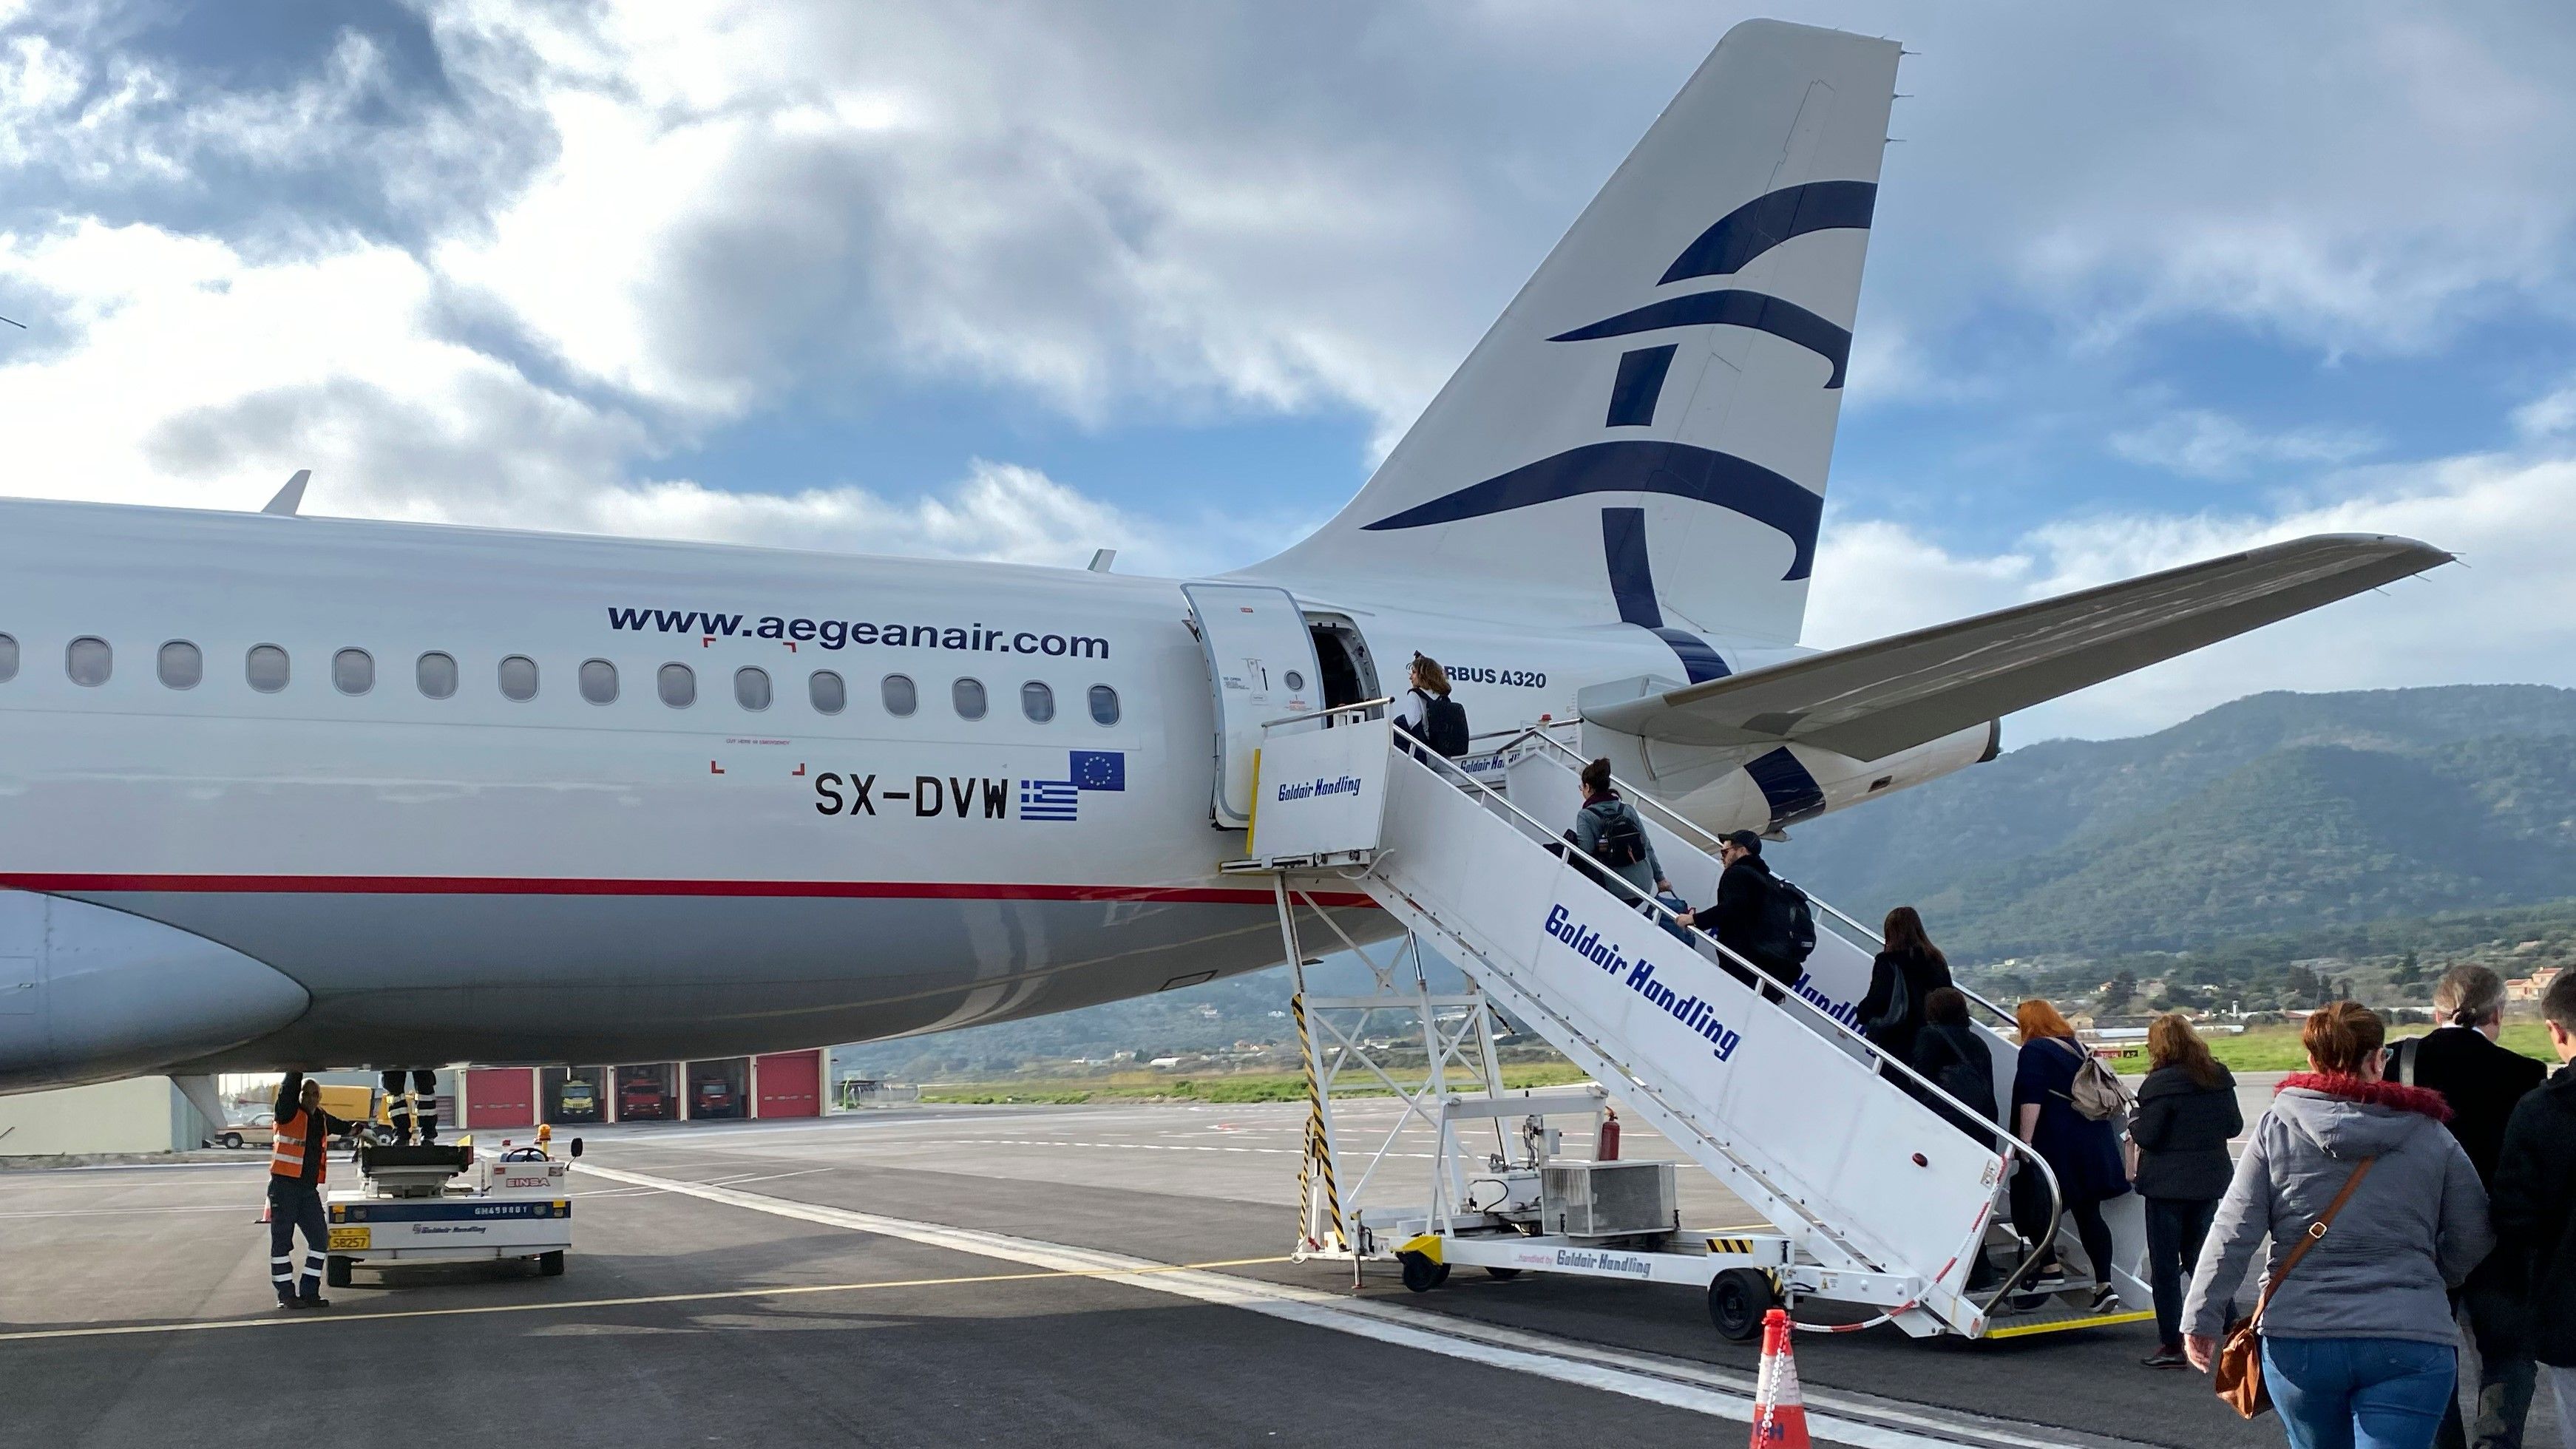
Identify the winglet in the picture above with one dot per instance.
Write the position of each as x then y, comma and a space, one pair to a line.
290, 497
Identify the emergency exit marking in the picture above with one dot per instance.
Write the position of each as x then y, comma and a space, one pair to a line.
799, 770
714, 769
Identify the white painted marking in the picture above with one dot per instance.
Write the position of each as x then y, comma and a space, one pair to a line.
1675, 1385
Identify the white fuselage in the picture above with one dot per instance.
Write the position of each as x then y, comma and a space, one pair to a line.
552, 878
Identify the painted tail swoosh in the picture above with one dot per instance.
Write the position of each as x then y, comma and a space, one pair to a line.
1768, 220
1638, 466
1729, 308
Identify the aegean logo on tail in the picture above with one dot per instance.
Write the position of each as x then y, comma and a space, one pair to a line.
1641, 465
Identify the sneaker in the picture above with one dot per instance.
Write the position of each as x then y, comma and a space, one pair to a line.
314, 1302
2168, 1357
2105, 1298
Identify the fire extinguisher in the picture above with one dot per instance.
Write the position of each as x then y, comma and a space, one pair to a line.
1608, 1148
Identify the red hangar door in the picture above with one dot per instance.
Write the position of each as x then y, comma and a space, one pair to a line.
791, 1085
500, 1097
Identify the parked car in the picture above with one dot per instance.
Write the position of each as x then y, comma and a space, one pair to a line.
577, 1099
642, 1101
259, 1131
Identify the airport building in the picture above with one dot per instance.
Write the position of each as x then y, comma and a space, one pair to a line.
778, 1084
139, 1114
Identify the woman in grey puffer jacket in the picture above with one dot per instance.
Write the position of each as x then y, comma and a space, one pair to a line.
2358, 1345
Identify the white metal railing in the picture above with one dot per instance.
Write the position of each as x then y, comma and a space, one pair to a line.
1681, 824
1717, 953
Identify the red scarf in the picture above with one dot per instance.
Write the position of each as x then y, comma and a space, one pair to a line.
2423, 1100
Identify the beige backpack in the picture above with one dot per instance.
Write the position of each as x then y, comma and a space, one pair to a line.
2097, 1093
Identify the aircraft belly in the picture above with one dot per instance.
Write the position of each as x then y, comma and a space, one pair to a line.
573, 978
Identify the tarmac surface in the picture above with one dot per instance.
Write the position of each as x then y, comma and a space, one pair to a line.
1022, 1275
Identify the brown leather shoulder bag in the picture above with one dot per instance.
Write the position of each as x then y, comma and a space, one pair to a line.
2238, 1374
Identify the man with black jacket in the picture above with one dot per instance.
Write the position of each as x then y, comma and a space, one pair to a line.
2533, 1202
2482, 1081
296, 1172
1739, 918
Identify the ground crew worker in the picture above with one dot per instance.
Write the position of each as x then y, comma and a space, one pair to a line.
295, 1175
414, 1115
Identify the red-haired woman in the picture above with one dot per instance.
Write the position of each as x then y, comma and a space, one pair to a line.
2083, 1152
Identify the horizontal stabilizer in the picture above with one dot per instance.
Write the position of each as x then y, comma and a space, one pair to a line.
1872, 700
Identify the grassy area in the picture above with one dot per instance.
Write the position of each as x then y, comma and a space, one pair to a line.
1201, 1087
2277, 1049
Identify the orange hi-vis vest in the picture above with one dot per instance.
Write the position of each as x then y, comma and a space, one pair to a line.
286, 1151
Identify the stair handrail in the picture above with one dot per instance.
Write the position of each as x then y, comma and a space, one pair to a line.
1682, 824
2011, 1140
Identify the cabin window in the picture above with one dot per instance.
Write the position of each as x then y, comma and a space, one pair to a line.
599, 681
1037, 702
677, 684
1104, 705
265, 666
901, 699
353, 671
518, 677
828, 694
181, 665
89, 661
751, 687
968, 696
8, 658
437, 675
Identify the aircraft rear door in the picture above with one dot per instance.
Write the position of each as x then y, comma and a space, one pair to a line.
1261, 667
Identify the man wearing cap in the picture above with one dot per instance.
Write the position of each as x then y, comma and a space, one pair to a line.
1736, 920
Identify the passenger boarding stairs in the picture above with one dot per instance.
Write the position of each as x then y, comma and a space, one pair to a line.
1883, 1200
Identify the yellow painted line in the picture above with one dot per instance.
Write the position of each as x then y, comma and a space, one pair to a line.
282, 1318
2090, 1320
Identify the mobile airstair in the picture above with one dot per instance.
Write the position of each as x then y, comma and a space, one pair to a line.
1880, 1206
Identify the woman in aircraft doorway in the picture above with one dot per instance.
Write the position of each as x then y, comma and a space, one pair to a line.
1426, 712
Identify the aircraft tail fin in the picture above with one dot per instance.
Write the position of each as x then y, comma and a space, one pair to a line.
1643, 436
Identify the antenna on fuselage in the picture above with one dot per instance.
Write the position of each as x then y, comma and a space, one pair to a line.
1101, 558
290, 497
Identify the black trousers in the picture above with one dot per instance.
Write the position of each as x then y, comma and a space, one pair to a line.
2030, 1219
294, 1205
2497, 1313
425, 1086
2175, 1228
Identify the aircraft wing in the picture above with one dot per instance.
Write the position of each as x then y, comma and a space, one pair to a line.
1872, 700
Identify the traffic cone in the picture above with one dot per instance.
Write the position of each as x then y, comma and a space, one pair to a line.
1779, 1418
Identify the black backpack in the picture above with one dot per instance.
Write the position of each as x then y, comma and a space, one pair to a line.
1444, 724
1788, 926
1622, 842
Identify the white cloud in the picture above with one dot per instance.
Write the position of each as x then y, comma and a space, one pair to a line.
2549, 414
2199, 443
2509, 615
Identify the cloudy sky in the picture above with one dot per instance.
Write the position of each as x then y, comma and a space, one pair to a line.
1014, 282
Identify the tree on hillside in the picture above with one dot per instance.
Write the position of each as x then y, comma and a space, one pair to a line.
2116, 993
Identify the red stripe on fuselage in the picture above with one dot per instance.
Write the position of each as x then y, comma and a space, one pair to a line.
465, 885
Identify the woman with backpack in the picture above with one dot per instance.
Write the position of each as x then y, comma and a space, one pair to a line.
2374, 1212
2187, 1114
1908, 970
1610, 831
2082, 1149
1426, 711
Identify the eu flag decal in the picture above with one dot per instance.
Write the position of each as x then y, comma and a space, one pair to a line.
1100, 769
1062, 799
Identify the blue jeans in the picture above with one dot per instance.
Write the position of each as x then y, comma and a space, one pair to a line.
2359, 1393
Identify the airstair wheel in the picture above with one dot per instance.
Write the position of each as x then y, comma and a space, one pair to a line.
1420, 1273
1737, 1300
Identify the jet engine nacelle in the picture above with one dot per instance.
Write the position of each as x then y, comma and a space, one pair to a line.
88, 994
1764, 788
